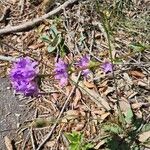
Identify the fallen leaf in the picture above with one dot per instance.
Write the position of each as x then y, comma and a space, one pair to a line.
8, 143
136, 105
72, 114
109, 90
94, 95
124, 105
137, 74
50, 143
36, 46
143, 84
55, 96
77, 97
93, 128
139, 105
128, 79
88, 84
144, 136
68, 89
79, 127
100, 144
104, 116
13, 1
98, 112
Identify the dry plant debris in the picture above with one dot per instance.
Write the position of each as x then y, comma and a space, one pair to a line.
104, 110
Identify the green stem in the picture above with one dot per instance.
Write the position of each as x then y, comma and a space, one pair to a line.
107, 28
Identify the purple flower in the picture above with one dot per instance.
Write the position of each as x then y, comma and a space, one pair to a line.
107, 67
83, 63
22, 76
61, 72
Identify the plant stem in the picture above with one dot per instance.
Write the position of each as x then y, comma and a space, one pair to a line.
107, 28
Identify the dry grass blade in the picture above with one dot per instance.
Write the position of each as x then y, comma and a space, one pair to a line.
8, 143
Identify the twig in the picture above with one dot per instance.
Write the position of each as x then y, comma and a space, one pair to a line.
25, 141
58, 118
92, 40
7, 58
5, 14
23, 53
37, 21
32, 139
21, 4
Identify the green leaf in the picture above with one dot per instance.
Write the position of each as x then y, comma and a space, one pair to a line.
138, 47
74, 137
74, 146
51, 49
53, 45
112, 128
45, 38
82, 38
129, 116
146, 128
87, 146
53, 31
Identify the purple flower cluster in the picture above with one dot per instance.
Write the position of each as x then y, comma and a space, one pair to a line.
22, 76
107, 67
61, 72
83, 63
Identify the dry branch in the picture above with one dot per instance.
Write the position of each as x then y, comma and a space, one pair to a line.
30, 24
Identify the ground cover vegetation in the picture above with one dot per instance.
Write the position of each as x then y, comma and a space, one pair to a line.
83, 69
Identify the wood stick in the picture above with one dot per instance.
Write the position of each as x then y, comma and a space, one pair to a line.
30, 24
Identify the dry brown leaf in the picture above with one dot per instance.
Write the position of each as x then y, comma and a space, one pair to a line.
140, 104
55, 96
83, 113
13, 1
127, 78
72, 114
104, 116
36, 46
137, 74
88, 84
94, 95
141, 83
64, 120
132, 94
136, 105
100, 144
144, 136
68, 89
102, 89
79, 127
98, 112
124, 105
93, 128
50, 143
8, 143
77, 97
109, 90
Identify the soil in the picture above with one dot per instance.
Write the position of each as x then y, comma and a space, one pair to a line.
11, 110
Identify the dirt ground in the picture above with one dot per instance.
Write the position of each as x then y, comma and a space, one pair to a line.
11, 112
